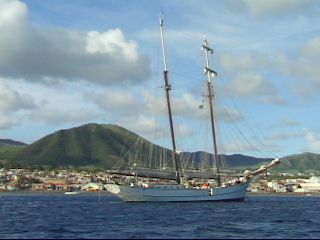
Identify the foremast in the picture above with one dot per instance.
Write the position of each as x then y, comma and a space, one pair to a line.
167, 88
210, 74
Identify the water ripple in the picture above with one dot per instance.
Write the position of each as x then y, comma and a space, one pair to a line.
59, 216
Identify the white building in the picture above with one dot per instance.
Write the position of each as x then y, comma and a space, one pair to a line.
276, 186
309, 185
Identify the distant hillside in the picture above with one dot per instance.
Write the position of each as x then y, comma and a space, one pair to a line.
105, 146
110, 146
9, 142
300, 162
8, 148
90, 145
232, 161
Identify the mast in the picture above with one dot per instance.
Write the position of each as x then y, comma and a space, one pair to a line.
167, 88
210, 73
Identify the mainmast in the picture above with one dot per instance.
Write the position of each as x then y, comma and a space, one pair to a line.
210, 73
167, 88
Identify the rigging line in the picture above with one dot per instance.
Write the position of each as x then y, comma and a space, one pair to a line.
208, 142
187, 160
132, 153
157, 157
154, 157
223, 127
118, 164
161, 152
150, 156
139, 156
239, 130
226, 90
161, 157
202, 156
195, 165
221, 132
124, 144
131, 148
234, 125
252, 129
226, 130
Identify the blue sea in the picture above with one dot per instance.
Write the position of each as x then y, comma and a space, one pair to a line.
55, 215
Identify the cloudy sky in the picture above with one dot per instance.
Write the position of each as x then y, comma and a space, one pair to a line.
68, 63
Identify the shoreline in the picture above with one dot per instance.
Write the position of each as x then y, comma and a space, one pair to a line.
52, 192
281, 194
104, 192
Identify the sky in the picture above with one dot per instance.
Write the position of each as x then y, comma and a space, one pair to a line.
68, 63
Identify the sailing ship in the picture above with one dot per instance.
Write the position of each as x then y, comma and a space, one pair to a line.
232, 190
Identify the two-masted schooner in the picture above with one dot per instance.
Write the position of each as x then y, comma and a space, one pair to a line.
234, 190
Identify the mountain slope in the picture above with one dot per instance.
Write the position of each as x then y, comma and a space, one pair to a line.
232, 161
9, 142
105, 146
300, 162
110, 146
88, 145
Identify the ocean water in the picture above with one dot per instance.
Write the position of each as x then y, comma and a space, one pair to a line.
55, 215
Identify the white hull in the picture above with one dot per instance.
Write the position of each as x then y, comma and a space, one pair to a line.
178, 194
72, 193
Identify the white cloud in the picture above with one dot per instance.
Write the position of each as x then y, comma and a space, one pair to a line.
52, 116
226, 114
99, 57
11, 100
11, 11
313, 141
285, 135
146, 126
251, 84
154, 104
8, 121
286, 122
304, 69
188, 106
248, 61
267, 148
183, 130
257, 8
154, 129
111, 42
118, 102
312, 47
127, 103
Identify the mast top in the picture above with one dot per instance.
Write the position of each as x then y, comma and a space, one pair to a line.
161, 18
162, 43
207, 70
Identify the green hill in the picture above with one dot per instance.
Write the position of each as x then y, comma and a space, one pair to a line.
8, 148
90, 145
300, 162
105, 146
235, 161
110, 146
9, 142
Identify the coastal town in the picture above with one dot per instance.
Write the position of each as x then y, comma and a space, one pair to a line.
13, 180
